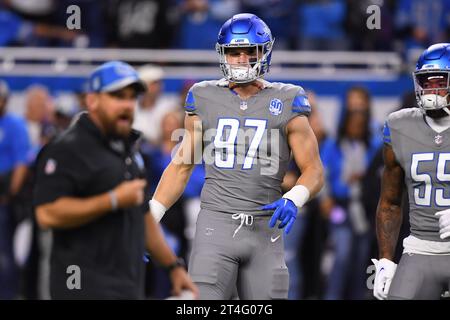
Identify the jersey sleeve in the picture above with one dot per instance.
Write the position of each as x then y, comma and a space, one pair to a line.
300, 104
195, 100
57, 174
189, 104
391, 137
297, 105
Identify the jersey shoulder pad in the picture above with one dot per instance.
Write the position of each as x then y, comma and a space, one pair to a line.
198, 90
301, 104
404, 117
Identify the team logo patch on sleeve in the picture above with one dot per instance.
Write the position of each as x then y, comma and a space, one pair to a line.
275, 107
50, 166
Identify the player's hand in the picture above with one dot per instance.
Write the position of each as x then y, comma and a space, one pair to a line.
130, 193
182, 282
384, 273
285, 211
444, 223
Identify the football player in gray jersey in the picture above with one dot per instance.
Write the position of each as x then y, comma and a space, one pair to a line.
246, 128
416, 156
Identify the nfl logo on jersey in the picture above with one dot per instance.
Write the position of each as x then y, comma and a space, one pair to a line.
438, 139
276, 107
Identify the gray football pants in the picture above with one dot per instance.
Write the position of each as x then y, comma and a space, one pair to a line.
240, 252
422, 277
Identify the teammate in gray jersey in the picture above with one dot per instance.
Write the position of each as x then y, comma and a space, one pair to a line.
247, 127
417, 155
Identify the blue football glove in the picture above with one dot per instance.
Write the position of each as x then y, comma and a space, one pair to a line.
285, 211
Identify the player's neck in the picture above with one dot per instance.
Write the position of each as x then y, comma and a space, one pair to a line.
438, 124
246, 90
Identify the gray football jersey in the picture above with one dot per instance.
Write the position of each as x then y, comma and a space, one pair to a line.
245, 149
424, 155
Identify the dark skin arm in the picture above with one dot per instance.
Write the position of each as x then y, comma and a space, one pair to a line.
389, 213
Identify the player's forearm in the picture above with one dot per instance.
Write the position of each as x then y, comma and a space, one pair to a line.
68, 212
389, 212
312, 178
388, 222
172, 183
156, 244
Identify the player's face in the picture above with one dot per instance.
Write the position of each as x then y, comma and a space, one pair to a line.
432, 84
241, 56
116, 111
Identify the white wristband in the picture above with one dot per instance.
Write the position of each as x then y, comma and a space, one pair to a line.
157, 209
113, 200
299, 195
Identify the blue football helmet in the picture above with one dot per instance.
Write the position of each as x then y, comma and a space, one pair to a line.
433, 65
248, 31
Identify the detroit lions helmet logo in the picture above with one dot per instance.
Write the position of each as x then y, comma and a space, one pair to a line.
275, 107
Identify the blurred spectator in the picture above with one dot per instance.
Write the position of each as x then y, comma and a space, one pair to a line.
14, 145
423, 22
358, 99
321, 25
66, 107
153, 105
345, 160
40, 117
39, 114
140, 23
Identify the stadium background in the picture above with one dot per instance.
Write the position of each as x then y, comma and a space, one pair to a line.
323, 45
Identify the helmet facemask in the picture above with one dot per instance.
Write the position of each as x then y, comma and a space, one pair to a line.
430, 87
258, 65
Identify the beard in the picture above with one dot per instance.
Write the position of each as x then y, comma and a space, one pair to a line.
436, 114
118, 127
